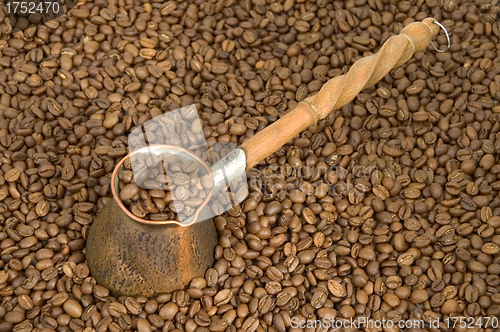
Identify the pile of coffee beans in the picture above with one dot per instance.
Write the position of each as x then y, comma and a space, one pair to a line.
387, 209
159, 187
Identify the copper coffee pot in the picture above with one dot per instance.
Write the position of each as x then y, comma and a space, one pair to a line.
133, 256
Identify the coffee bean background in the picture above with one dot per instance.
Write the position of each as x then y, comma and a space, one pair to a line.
388, 208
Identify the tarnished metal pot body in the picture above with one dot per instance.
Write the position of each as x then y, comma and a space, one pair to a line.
131, 258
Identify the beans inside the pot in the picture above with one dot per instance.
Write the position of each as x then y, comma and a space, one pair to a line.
161, 187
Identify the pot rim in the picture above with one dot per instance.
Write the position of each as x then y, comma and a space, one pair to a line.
114, 178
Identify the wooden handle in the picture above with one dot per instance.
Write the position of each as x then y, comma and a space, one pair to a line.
341, 90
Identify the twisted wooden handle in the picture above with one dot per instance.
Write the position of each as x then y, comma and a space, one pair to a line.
340, 90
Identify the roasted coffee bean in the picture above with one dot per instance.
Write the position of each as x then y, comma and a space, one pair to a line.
73, 308
336, 288
133, 306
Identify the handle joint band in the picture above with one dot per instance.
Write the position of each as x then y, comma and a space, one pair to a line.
312, 109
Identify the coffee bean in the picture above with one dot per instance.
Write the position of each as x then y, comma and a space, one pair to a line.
12, 175
14, 317
133, 306
168, 311
336, 288
25, 302
419, 296
73, 308
117, 309
143, 325
222, 297
129, 191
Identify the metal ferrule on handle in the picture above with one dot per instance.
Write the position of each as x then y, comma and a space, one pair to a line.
228, 169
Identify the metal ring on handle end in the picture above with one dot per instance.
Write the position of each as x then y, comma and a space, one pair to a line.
421, 33
447, 37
